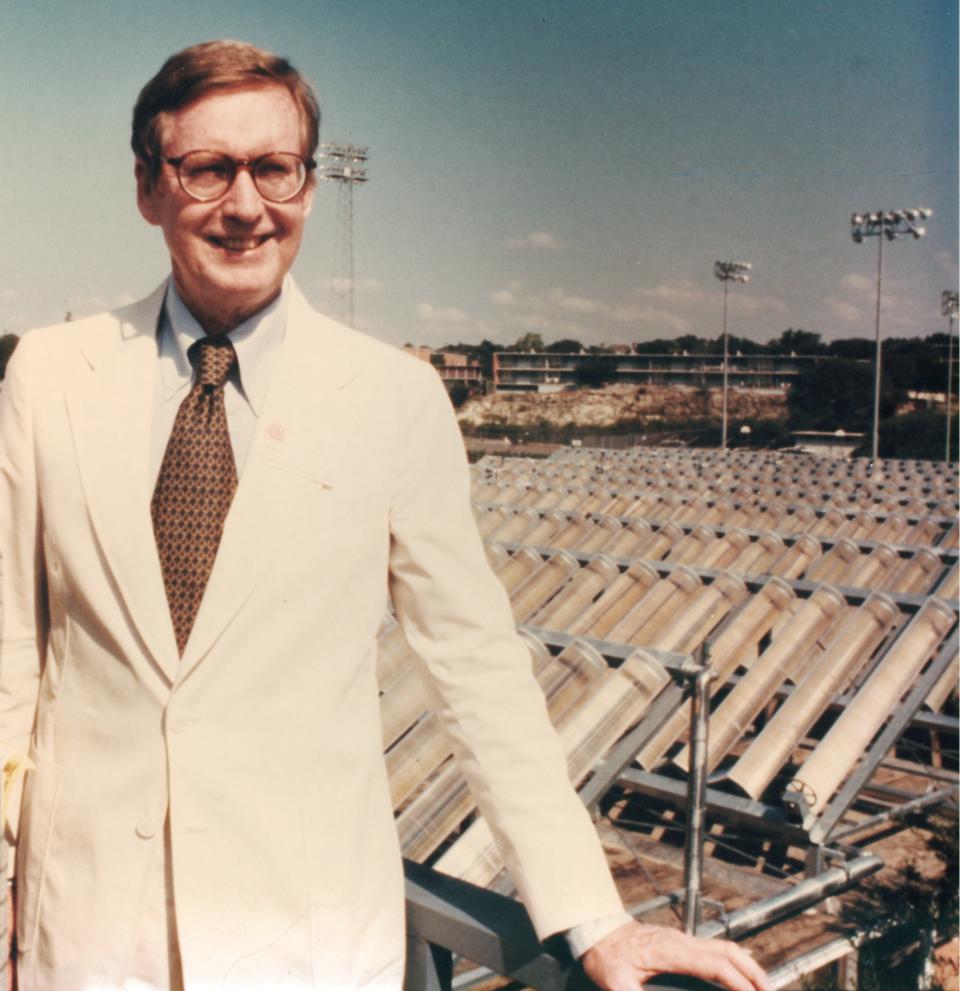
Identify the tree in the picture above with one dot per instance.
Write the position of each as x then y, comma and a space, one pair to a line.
528, 342
838, 394
659, 346
908, 914
852, 347
484, 353
918, 436
797, 342
566, 346
691, 344
459, 394
8, 343
742, 345
595, 372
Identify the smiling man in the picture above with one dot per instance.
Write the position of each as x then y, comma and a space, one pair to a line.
206, 500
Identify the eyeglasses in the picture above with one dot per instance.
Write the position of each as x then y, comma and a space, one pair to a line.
207, 175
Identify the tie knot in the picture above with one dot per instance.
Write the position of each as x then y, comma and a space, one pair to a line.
213, 357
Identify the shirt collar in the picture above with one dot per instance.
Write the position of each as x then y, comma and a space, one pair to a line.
256, 341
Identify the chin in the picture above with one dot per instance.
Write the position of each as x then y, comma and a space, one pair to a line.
247, 281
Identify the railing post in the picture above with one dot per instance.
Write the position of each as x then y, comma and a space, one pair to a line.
429, 967
696, 793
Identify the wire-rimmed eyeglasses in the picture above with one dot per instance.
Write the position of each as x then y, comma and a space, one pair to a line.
207, 175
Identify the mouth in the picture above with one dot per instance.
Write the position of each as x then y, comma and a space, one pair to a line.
238, 245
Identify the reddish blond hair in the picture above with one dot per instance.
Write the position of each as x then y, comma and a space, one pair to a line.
198, 70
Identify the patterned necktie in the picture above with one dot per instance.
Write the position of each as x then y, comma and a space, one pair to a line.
195, 486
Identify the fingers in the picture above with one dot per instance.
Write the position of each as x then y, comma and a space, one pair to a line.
632, 954
731, 974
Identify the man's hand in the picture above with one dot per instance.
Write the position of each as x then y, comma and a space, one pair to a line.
634, 953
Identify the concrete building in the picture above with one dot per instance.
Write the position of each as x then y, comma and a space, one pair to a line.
540, 371
453, 368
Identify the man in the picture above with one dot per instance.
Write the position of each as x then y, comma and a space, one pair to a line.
196, 564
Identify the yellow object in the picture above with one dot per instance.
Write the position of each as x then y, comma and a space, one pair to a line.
14, 766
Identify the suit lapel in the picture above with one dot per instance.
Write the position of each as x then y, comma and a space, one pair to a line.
111, 415
290, 458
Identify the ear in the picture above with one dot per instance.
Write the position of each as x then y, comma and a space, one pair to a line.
307, 198
146, 192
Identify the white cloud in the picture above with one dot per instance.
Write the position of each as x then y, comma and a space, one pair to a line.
576, 304
749, 305
513, 295
540, 240
440, 314
855, 282
844, 311
681, 291
660, 321
532, 321
683, 296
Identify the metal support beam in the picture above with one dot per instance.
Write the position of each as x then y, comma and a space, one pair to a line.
802, 895
733, 808
696, 794
802, 586
428, 967
896, 813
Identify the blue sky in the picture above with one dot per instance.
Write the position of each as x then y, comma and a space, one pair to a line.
568, 168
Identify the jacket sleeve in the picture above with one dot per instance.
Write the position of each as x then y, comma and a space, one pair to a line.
456, 617
23, 595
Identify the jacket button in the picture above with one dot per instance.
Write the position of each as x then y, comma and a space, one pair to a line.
147, 827
180, 722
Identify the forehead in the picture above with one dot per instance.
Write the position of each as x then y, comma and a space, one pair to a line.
240, 120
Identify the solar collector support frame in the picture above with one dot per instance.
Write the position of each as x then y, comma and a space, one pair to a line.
947, 555
880, 509
447, 916
788, 819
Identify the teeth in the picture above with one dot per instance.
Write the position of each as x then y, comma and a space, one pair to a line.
239, 244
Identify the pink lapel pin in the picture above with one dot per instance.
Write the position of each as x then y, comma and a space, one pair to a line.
276, 431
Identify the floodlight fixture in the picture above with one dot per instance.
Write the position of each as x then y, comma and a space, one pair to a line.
728, 272
950, 303
884, 225
342, 162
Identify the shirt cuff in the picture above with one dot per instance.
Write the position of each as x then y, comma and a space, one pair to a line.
581, 938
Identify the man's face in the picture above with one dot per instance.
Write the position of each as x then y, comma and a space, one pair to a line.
229, 255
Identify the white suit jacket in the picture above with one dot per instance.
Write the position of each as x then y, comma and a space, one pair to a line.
262, 742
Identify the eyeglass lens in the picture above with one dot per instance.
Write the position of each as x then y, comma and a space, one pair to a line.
207, 175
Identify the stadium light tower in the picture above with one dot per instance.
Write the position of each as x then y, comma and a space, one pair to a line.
949, 305
728, 272
884, 225
345, 165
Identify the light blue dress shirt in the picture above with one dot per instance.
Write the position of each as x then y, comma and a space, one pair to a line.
257, 342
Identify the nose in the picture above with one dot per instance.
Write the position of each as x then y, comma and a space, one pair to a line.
242, 201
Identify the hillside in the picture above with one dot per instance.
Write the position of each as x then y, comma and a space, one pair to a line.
617, 404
